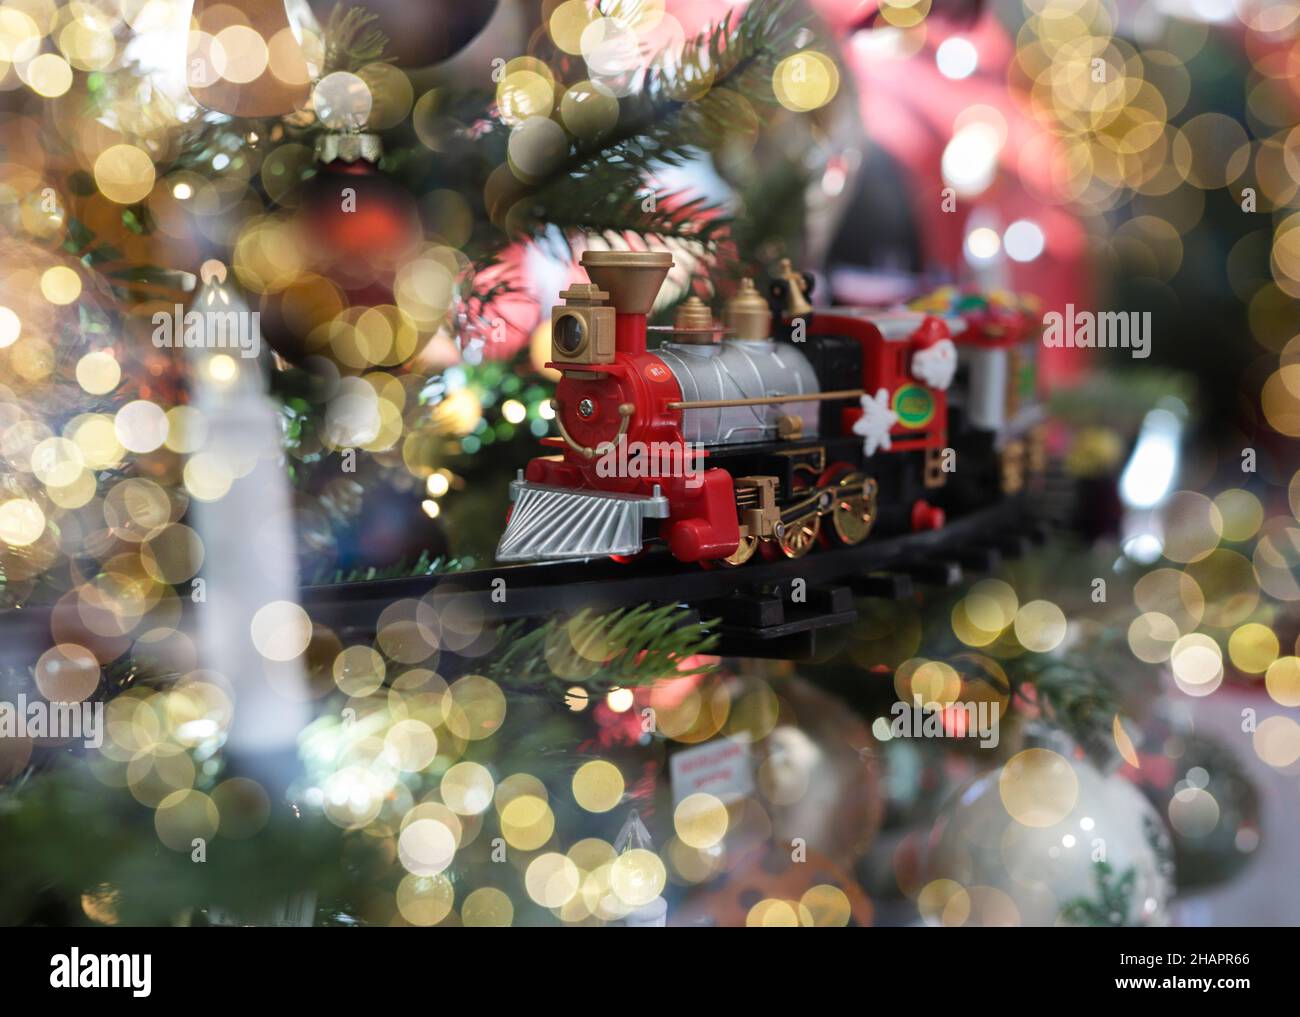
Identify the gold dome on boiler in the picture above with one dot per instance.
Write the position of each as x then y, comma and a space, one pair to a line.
693, 314
747, 313
693, 323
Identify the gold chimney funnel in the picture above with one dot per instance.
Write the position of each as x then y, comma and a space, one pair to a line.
631, 278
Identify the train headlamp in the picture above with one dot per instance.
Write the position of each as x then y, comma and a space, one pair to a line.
582, 328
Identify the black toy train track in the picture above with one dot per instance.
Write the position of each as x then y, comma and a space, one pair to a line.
757, 614
753, 602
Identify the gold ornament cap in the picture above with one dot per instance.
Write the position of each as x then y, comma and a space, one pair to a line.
747, 313
332, 146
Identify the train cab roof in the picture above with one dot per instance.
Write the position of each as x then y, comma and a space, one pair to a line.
898, 324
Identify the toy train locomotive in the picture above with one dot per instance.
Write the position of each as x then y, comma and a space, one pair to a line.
772, 432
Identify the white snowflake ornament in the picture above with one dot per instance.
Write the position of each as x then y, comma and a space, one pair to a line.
875, 423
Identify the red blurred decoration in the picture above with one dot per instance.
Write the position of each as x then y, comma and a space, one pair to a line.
362, 225
909, 108
358, 227
511, 313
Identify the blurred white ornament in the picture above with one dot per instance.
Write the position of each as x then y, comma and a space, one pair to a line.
250, 559
1106, 861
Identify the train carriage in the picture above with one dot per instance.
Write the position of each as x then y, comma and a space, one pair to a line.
997, 419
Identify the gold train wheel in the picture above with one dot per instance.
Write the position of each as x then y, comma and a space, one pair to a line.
854, 512
743, 552
799, 537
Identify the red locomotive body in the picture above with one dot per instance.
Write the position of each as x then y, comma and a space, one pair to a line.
701, 523
626, 402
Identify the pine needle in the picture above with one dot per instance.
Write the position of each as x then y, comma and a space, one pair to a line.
351, 40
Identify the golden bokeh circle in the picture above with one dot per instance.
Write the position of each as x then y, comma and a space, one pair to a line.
1040, 626
467, 788
487, 907
1282, 680
477, 709
1038, 787
425, 900
124, 174
185, 817
701, 821
598, 786
1253, 648
67, 673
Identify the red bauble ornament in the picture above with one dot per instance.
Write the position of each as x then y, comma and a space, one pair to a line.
360, 225
422, 32
357, 228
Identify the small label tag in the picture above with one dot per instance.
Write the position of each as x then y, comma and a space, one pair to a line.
723, 768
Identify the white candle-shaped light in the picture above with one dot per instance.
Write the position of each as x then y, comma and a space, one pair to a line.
634, 839
250, 626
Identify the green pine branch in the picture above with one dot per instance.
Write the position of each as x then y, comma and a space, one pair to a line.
351, 40
1076, 690
1074, 700
601, 186
1113, 901
621, 649
772, 206
424, 565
